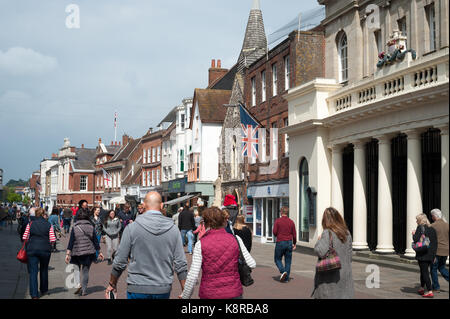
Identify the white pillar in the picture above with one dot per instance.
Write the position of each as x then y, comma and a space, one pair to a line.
385, 211
445, 171
359, 197
337, 200
414, 187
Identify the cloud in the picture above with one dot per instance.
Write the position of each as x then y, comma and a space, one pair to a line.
22, 61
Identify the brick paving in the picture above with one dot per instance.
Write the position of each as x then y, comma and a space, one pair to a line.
394, 283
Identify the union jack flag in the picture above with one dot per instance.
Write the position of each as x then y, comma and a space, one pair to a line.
249, 134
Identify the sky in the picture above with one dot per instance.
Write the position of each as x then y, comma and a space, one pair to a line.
137, 57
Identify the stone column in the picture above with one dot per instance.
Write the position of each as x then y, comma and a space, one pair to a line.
445, 171
414, 187
359, 197
337, 200
385, 211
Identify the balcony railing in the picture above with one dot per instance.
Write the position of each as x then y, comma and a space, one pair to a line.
405, 77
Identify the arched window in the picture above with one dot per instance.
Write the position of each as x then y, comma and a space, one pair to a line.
304, 201
343, 57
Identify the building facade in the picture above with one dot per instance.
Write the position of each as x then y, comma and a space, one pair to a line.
151, 162
371, 138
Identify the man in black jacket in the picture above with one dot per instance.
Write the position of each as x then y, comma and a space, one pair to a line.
186, 224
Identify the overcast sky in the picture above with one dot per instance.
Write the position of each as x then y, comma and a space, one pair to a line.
139, 57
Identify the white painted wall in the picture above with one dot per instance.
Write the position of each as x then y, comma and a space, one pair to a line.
209, 158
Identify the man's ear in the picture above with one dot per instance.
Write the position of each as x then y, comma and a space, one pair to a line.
162, 206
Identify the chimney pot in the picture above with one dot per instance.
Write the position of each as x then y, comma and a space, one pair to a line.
219, 64
112, 143
99, 141
82, 145
213, 63
115, 143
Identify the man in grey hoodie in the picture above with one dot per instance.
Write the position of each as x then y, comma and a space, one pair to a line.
154, 249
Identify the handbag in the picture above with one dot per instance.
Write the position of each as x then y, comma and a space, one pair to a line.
331, 261
423, 243
244, 270
22, 254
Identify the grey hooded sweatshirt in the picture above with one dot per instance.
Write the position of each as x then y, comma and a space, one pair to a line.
153, 245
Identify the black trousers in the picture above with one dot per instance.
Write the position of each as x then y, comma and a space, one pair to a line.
425, 279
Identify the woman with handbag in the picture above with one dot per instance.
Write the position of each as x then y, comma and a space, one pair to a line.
217, 255
39, 237
82, 248
333, 278
425, 245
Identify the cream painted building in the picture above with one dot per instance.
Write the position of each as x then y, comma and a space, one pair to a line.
372, 141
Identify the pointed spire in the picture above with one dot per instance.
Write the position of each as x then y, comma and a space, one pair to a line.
255, 40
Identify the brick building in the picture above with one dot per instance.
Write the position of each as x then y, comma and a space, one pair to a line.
76, 173
296, 60
151, 162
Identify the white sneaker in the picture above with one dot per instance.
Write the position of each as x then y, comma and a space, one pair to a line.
283, 277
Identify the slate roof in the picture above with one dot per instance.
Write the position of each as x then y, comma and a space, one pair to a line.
126, 150
225, 82
210, 103
85, 159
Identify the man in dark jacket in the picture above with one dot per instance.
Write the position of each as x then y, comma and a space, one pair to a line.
186, 224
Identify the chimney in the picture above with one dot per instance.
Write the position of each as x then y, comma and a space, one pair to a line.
125, 139
72, 149
119, 142
216, 73
99, 141
115, 143
82, 145
112, 143
150, 130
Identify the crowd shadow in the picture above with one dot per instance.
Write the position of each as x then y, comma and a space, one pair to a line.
91, 290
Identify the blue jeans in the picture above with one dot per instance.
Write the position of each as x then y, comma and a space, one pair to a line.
438, 265
132, 295
99, 237
283, 248
38, 262
66, 223
190, 237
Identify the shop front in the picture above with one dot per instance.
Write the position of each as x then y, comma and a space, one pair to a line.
267, 202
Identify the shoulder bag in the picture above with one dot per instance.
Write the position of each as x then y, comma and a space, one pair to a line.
22, 254
244, 270
423, 244
331, 261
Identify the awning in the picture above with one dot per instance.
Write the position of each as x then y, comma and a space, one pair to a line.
179, 200
118, 200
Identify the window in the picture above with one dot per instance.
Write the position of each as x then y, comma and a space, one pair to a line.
153, 155
143, 157
286, 139
149, 156
263, 86
431, 25
343, 61
182, 121
83, 183
143, 179
119, 179
159, 154
274, 80
153, 178
181, 160
157, 177
274, 144
253, 91
148, 179
287, 73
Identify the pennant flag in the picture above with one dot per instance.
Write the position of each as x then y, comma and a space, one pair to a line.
106, 178
249, 133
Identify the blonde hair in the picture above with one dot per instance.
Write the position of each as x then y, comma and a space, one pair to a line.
240, 222
422, 219
39, 212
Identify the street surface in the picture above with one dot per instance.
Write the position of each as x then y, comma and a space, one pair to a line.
394, 283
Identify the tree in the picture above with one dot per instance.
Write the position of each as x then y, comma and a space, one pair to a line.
26, 200
13, 197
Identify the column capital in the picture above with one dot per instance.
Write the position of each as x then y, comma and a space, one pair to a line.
360, 143
336, 148
385, 138
414, 134
443, 128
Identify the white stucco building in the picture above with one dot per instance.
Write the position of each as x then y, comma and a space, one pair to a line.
372, 141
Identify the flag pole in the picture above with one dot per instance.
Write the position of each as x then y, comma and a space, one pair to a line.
115, 127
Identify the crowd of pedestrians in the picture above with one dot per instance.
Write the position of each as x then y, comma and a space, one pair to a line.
151, 245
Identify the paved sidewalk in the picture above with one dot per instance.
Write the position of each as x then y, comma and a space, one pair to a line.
394, 283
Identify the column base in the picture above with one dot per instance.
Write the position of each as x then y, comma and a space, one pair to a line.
409, 253
360, 246
385, 250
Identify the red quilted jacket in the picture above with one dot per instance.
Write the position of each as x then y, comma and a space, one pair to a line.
220, 276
